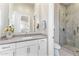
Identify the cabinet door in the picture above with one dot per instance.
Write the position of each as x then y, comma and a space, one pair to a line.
7, 47
21, 51
42, 47
28, 48
32, 50
7, 53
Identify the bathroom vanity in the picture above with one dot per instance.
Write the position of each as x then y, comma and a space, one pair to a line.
28, 22
29, 45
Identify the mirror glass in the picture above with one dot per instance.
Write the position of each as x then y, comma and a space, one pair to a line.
23, 18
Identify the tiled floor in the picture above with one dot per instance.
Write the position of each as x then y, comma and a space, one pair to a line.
69, 51
66, 52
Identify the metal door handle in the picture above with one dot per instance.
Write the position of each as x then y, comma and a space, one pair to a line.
28, 50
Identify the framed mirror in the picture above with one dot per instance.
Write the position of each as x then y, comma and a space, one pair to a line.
25, 24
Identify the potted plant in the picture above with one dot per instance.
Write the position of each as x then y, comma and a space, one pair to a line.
9, 30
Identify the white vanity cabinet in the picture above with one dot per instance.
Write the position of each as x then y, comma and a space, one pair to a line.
43, 47
21, 51
7, 53
27, 48
32, 48
27, 51
7, 50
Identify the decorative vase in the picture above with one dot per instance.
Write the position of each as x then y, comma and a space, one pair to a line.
9, 34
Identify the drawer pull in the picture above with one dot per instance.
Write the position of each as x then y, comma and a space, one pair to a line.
28, 50
5, 47
39, 47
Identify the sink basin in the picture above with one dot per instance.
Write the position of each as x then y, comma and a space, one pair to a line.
27, 38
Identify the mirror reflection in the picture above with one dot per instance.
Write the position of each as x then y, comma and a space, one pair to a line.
23, 18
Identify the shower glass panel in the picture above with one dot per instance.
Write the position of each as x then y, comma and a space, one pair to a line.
67, 16
70, 33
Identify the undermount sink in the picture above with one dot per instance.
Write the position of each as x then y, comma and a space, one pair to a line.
27, 38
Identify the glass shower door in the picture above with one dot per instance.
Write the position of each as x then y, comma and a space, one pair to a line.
76, 36
70, 33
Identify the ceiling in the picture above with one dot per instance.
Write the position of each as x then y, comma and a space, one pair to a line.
66, 4
25, 4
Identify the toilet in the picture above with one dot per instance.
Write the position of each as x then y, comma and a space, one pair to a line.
56, 49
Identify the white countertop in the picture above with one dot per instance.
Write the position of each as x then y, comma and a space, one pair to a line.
22, 38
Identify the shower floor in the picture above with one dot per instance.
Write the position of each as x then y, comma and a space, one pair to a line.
69, 51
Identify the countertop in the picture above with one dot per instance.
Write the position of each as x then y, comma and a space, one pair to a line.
21, 38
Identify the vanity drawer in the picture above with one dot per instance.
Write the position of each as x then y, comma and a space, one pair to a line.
20, 44
7, 47
26, 43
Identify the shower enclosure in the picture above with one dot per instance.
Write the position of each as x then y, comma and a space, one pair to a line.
71, 25
67, 16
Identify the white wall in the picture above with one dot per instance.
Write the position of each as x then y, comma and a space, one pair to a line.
51, 30
4, 12
24, 8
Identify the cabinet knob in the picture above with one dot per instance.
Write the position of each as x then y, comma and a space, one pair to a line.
28, 50
39, 47
13, 53
53, 37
